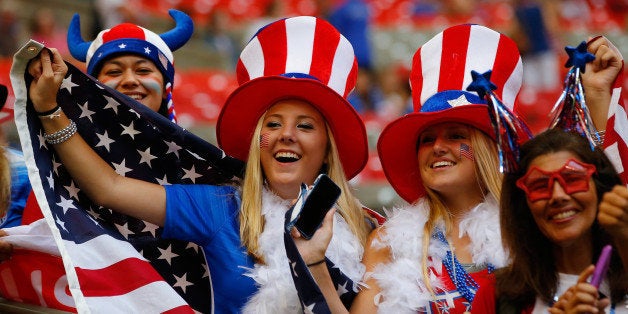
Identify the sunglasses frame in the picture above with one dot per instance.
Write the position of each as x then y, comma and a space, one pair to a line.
589, 170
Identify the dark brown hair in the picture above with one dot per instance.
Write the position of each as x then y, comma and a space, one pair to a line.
533, 271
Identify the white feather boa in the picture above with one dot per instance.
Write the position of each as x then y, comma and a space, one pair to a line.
401, 281
276, 291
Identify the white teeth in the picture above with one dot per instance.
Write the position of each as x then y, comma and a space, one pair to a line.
286, 155
136, 96
564, 215
442, 164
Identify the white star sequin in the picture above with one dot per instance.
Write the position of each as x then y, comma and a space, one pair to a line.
147, 50
460, 101
122, 46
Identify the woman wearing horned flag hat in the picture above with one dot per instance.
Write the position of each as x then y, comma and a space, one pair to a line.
140, 64
291, 121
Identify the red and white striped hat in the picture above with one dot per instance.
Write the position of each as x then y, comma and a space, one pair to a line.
303, 58
441, 72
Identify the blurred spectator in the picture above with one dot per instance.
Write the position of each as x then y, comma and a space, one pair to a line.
367, 97
395, 88
220, 41
536, 24
352, 19
10, 30
273, 10
110, 13
44, 29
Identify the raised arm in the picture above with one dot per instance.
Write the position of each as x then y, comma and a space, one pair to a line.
613, 217
143, 200
599, 77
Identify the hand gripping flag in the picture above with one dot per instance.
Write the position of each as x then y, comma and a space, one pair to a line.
115, 263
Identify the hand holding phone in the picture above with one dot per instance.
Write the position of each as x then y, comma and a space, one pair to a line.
601, 267
312, 206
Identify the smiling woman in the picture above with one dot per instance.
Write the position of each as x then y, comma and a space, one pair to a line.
282, 121
552, 228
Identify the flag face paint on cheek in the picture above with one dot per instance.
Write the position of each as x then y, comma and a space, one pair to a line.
264, 140
152, 85
466, 151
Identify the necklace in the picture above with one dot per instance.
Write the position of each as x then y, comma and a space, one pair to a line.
464, 283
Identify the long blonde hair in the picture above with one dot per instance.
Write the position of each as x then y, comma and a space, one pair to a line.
489, 180
251, 219
5, 182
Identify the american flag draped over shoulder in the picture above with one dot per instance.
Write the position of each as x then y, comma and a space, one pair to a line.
108, 256
311, 297
616, 140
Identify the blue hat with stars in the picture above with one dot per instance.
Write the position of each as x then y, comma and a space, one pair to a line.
127, 38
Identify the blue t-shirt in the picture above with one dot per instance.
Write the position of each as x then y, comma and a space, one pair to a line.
208, 216
20, 188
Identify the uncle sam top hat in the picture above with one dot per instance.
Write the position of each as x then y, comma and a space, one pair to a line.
127, 38
303, 58
441, 72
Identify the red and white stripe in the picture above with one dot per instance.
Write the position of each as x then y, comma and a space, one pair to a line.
127, 30
616, 139
439, 65
303, 37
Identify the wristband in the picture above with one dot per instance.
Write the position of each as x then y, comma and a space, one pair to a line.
316, 263
50, 114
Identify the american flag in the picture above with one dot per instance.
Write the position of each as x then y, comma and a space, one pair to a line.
115, 263
616, 139
466, 151
311, 297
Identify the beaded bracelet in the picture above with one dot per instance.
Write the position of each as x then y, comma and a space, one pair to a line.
51, 114
600, 135
61, 135
316, 263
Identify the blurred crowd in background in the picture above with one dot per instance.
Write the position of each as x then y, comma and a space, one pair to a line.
384, 33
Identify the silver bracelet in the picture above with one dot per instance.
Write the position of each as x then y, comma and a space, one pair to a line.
61, 135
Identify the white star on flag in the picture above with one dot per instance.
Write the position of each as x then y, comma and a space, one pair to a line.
68, 84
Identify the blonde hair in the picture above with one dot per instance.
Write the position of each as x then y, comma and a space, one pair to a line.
489, 180
5, 182
251, 219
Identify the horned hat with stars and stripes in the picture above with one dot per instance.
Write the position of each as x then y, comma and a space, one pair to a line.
303, 58
127, 38
440, 75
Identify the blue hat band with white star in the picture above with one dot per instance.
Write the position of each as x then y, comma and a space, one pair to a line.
450, 99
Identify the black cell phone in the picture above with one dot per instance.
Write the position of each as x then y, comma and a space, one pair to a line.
317, 202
